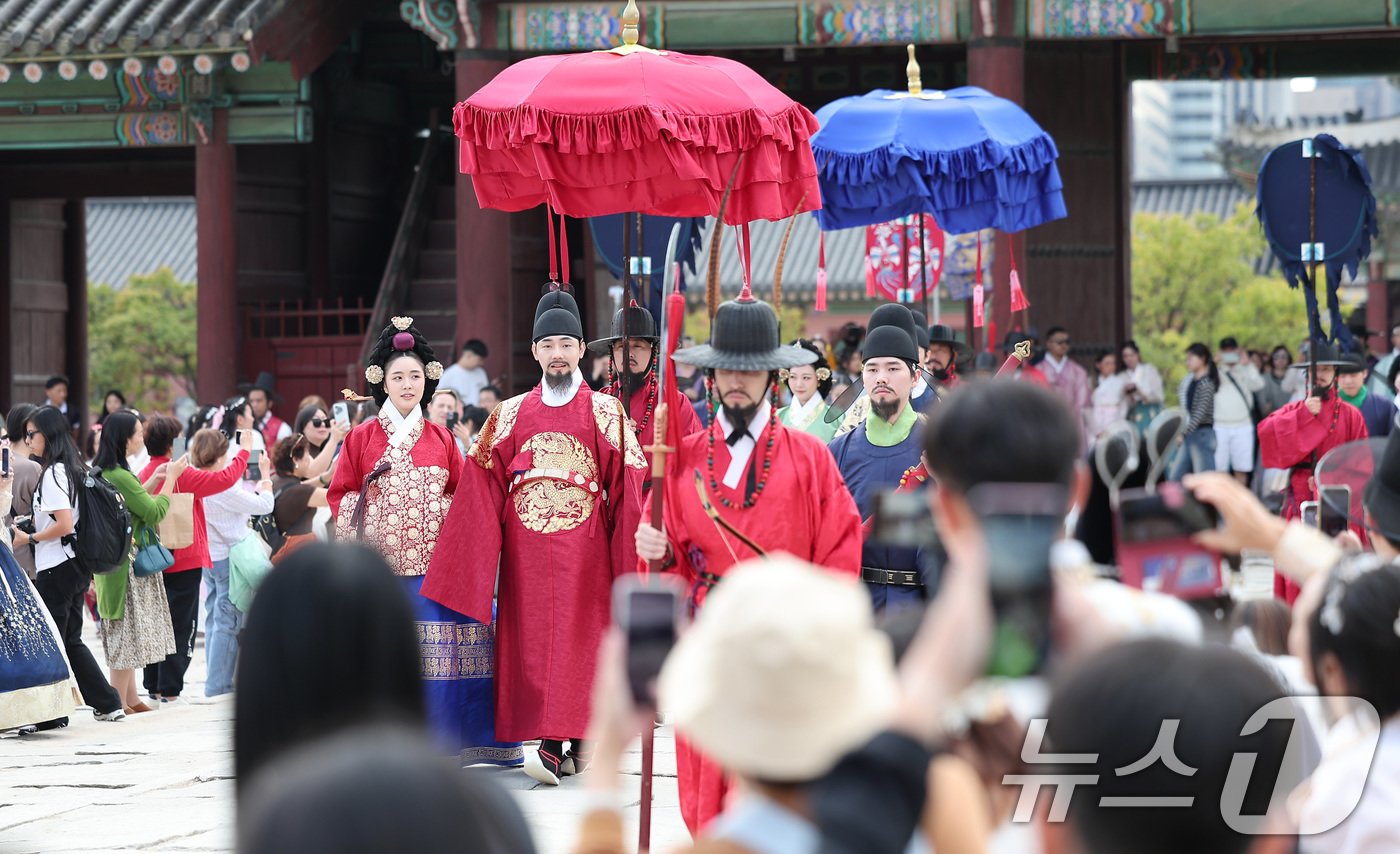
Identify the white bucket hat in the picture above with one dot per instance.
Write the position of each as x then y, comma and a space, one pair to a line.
782, 673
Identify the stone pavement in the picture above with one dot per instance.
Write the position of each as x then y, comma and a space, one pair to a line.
163, 781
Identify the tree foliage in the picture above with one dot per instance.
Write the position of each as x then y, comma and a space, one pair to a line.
142, 339
1193, 280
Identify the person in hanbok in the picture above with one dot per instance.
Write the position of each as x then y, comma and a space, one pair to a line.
34, 684
1299, 434
775, 488
809, 386
551, 495
874, 457
1109, 402
633, 371
135, 627
1143, 384
940, 362
392, 489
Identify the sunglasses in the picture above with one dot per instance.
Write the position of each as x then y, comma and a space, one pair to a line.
320, 422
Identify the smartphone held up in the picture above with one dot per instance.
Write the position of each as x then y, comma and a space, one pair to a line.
649, 610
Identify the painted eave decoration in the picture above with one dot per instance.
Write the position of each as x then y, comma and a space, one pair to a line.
72, 38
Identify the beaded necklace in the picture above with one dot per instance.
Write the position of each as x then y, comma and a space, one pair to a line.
767, 449
615, 389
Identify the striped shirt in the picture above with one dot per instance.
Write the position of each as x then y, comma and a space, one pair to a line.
1198, 398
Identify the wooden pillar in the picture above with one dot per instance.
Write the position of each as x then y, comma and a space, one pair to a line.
76, 325
997, 63
1378, 310
7, 312
483, 249
215, 194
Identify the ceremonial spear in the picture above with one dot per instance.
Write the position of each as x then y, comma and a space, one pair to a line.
672, 315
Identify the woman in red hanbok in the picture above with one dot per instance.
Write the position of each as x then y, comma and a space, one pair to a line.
392, 489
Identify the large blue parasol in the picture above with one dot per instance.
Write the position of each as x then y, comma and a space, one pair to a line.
1317, 192
971, 159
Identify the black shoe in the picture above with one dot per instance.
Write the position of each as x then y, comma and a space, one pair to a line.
577, 759
56, 723
545, 764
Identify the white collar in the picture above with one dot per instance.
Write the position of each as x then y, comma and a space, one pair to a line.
402, 424
920, 385
800, 409
756, 424
1058, 363
561, 398
740, 454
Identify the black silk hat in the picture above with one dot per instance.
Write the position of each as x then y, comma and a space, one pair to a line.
896, 315
889, 342
744, 337
920, 328
557, 314
640, 324
1352, 363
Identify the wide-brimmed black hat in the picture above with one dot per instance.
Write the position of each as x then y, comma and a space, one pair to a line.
640, 324
942, 334
1323, 353
557, 314
744, 337
265, 382
1382, 495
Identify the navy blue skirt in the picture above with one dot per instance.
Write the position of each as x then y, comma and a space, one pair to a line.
459, 681
33, 672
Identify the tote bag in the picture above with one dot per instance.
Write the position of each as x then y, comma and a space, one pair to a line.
177, 528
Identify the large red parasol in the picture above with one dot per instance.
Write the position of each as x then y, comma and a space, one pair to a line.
636, 129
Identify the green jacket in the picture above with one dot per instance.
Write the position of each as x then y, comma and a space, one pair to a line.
146, 512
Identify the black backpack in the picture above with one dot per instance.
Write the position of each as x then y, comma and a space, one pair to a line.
102, 542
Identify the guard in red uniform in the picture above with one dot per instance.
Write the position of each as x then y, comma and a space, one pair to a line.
634, 381
744, 487
1299, 434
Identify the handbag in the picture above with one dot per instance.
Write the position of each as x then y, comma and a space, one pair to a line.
248, 565
152, 557
177, 528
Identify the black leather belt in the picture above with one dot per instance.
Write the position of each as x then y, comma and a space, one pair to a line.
892, 577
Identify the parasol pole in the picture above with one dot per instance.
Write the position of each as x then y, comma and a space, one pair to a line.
659, 450
923, 266
1311, 153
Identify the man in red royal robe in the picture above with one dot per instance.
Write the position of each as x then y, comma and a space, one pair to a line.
633, 365
552, 492
1299, 434
774, 489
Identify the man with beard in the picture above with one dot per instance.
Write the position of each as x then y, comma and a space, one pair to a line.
635, 383
944, 351
551, 492
922, 395
762, 488
1299, 434
875, 456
